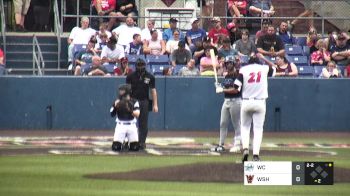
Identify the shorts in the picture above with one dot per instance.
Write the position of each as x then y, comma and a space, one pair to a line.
21, 6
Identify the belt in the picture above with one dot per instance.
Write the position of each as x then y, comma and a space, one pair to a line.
126, 123
232, 99
253, 98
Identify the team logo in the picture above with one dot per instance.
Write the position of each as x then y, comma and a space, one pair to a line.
249, 167
146, 80
249, 178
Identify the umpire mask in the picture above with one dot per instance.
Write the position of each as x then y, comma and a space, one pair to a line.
140, 66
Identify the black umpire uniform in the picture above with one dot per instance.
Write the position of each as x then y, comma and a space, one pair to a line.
141, 82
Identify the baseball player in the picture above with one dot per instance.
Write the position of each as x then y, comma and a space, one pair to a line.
127, 111
231, 106
252, 83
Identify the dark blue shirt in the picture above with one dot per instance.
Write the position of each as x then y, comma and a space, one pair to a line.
197, 35
229, 83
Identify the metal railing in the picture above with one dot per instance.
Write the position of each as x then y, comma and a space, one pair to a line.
38, 60
58, 32
3, 28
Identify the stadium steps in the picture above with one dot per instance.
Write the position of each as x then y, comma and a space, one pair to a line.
19, 54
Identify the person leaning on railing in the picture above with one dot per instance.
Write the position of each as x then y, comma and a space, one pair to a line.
102, 8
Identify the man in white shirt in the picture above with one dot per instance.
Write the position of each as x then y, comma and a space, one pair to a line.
125, 32
146, 32
79, 35
112, 53
252, 82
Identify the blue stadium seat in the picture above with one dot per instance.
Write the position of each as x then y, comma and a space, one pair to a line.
110, 68
306, 50
157, 59
177, 69
298, 60
318, 70
341, 69
300, 41
294, 50
78, 48
307, 71
158, 69
132, 58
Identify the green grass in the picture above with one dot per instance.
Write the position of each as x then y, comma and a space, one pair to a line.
63, 175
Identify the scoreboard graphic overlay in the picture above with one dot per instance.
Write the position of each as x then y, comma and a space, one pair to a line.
288, 173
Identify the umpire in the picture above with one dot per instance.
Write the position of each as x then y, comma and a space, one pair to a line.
141, 82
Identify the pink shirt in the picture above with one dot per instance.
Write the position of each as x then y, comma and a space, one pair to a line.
205, 60
318, 55
214, 34
241, 5
106, 4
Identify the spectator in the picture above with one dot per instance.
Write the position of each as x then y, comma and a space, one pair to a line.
96, 69
265, 25
285, 35
168, 71
200, 50
245, 46
168, 33
215, 32
311, 39
260, 8
321, 56
125, 32
2, 63
330, 71
226, 49
180, 56
284, 68
154, 46
341, 51
146, 32
172, 44
79, 35
206, 64
347, 71
102, 8
124, 8
123, 68
103, 30
103, 42
263, 8
237, 8
84, 58
136, 46
235, 33
21, 9
189, 70
112, 53
195, 34
330, 41
270, 44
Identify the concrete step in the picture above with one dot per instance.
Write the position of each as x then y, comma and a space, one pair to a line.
29, 55
58, 72
29, 39
28, 64
28, 47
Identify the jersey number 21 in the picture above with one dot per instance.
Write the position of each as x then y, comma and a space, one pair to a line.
254, 77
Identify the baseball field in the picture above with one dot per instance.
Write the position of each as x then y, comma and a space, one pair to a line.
175, 163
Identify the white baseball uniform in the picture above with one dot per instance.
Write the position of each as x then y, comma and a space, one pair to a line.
126, 126
252, 82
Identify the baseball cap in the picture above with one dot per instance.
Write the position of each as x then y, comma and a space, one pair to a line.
216, 19
173, 20
124, 59
193, 20
231, 25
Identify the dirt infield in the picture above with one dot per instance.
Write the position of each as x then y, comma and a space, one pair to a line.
211, 172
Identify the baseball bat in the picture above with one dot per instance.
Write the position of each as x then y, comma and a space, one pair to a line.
213, 61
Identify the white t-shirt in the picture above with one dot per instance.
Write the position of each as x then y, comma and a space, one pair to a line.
172, 45
109, 34
118, 52
125, 34
146, 34
252, 81
81, 36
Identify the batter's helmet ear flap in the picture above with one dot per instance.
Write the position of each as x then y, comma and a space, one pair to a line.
134, 146
117, 146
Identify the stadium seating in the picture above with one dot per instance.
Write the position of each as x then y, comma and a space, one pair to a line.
176, 69
157, 63
298, 60
318, 70
133, 58
300, 41
306, 71
294, 50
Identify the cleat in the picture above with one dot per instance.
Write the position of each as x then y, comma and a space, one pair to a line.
256, 158
218, 148
245, 155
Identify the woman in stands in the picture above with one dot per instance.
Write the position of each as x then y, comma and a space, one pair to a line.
283, 67
312, 39
321, 56
330, 71
172, 44
154, 46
